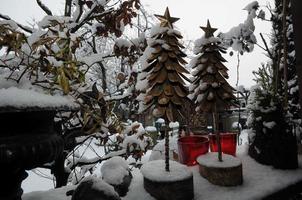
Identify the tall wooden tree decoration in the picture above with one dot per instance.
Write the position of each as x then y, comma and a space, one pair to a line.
210, 90
166, 91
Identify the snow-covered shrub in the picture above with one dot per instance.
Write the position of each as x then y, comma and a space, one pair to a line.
116, 172
273, 143
136, 141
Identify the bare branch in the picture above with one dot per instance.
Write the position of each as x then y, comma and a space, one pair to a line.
80, 4
266, 46
43, 7
24, 28
5, 17
68, 8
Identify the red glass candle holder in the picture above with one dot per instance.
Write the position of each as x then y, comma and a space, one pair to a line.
228, 143
190, 147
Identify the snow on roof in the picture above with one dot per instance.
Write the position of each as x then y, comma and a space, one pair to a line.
155, 171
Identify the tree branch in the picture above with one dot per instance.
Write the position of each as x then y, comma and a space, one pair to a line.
43, 7
24, 28
67, 8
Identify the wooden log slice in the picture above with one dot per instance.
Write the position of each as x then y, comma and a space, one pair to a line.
225, 173
174, 185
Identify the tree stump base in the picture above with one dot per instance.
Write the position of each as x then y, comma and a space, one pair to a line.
176, 184
225, 173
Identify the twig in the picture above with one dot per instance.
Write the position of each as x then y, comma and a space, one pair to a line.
24, 28
43, 7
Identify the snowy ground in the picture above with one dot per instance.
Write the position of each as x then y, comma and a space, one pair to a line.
259, 181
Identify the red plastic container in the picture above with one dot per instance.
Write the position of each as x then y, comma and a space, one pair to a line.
228, 143
190, 147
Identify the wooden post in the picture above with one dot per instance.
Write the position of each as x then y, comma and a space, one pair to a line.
167, 149
216, 131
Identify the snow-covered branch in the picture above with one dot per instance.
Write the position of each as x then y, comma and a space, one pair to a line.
44, 7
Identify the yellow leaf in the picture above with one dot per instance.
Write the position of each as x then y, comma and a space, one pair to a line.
63, 82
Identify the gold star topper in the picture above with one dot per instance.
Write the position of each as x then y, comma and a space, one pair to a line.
208, 30
166, 20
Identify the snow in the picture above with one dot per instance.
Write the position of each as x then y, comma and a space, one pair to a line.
151, 129
91, 59
114, 170
243, 34
259, 181
155, 171
22, 98
211, 160
136, 188
160, 120
100, 185
173, 125
12, 24
251, 6
53, 194
199, 43
269, 125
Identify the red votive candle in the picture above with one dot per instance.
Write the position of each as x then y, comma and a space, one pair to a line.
228, 143
190, 147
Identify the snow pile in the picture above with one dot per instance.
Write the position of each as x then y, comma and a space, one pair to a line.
23, 95
155, 171
160, 121
174, 125
100, 185
53, 194
151, 129
24, 98
114, 170
211, 160
259, 181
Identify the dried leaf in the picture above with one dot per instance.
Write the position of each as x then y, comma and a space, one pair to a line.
63, 82
176, 100
169, 65
168, 90
169, 113
163, 99
182, 61
157, 49
148, 99
163, 57
172, 54
181, 91
162, 76
156, 90
173, 77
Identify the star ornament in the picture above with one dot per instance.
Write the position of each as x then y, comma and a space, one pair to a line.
166, 20
208, 30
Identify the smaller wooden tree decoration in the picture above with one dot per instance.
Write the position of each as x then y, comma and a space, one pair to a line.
166, 91
210, 90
